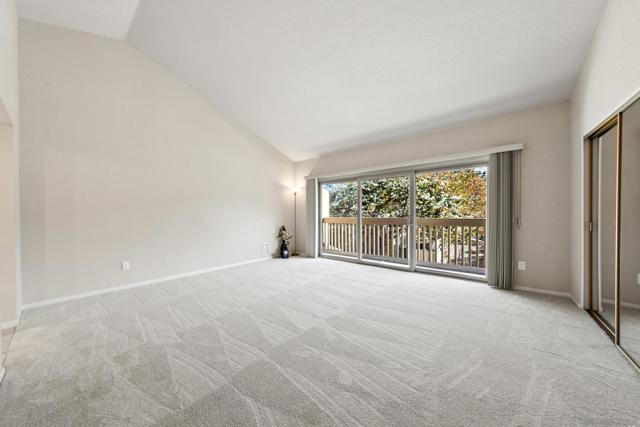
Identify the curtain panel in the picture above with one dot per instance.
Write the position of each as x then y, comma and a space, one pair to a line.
312, 217
504, 182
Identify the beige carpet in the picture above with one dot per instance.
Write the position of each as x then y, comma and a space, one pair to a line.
315, 343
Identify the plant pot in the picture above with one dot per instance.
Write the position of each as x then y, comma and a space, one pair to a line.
284, 251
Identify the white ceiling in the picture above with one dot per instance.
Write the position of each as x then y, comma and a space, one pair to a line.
316, 76
109, 18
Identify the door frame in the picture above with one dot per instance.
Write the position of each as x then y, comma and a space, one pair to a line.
590, 141
409, 266
455, 271
321, 253
411, 173
616, 117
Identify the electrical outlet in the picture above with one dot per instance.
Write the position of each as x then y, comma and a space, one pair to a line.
522, 265
638, 280
126, 266
265, 248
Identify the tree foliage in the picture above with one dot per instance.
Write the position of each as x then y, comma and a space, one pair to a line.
448, 194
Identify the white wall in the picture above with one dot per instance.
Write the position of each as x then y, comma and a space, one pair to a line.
610, 76
9, 185
122, 161
543, 239
9, 231
9, 58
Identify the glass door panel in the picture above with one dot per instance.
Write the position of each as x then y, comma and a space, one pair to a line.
339, 218
630, 234
385, 219
451, 212
603, 294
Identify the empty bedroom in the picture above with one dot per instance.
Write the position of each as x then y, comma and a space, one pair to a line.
319, 213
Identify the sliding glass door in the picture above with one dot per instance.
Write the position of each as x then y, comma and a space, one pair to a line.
386, 217
339, 215
422, 220
451, 212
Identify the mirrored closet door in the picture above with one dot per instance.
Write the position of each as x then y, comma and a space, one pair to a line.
630, 233
603, 225
613, 214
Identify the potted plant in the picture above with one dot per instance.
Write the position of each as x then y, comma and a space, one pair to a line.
285, 237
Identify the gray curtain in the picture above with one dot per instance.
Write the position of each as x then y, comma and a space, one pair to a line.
312, 217
503, 197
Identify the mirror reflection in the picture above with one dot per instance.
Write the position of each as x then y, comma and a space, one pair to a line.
630, 233
604, 232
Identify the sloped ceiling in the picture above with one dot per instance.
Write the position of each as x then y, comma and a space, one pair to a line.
109, 18
316, 76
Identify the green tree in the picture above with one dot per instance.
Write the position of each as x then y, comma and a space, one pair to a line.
464, 194
447, 194
385, 198
343, 199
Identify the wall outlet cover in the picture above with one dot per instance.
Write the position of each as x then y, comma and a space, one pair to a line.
126, 266
522, 265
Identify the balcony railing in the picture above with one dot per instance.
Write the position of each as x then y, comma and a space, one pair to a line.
456, 243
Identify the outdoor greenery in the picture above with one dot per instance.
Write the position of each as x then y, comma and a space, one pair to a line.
448, 194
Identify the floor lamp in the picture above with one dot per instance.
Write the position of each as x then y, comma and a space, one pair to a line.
295, 220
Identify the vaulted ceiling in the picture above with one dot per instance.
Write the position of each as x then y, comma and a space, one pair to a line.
109, 18
316, 76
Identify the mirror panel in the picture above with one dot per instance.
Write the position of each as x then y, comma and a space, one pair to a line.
604, 232
630, 233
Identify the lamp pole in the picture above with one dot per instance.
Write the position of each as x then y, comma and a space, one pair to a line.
295, 217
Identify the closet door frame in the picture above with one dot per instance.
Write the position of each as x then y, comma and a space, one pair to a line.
590, 142
613, 120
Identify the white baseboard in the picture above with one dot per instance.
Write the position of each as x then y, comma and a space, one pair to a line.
548, 292
136, 284
575, 301
8, 325
11, 323
630, 305
623, 304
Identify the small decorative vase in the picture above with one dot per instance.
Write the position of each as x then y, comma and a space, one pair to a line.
284, 250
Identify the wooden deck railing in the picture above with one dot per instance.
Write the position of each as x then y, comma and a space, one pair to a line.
339, 235
451, 243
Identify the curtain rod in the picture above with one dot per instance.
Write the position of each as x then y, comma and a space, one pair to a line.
468, 156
